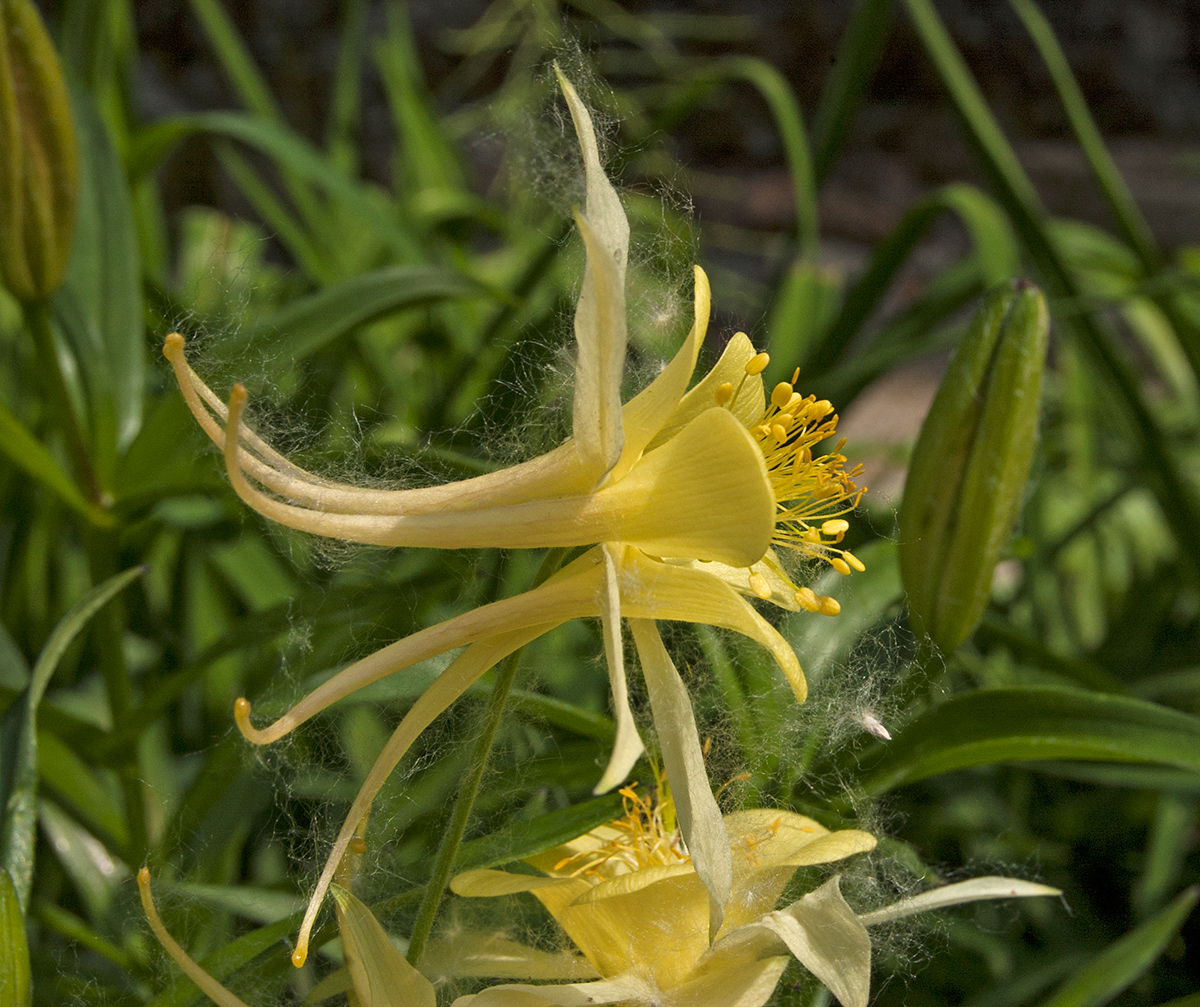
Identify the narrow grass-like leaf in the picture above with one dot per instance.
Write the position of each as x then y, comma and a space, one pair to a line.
1037, 722
27, 453
314, 322
278, 218
1124, 961
857, 59
1126, 214
18, 738
288, 149
997, 257
105, 276
78, 782
15, 987
1130, 222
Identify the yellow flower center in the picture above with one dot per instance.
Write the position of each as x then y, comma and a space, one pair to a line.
812, 493
646, 837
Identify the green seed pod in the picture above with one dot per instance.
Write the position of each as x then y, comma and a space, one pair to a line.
970, 465
39, 157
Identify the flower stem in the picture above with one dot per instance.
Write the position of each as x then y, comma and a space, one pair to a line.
443, 865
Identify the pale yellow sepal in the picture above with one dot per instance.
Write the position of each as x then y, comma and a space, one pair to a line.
460, 954
972, 890
627, 744
825, 935
380, 974
699, 816
600, 313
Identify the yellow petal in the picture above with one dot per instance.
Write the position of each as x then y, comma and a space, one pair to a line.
703, 495
627, 746
646, 413
600, 313
652, 923
678, 592
699, 817
569, 594
557, 473
381, 975
747, 407
768, 846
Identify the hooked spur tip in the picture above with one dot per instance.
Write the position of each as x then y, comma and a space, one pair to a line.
238, 396
299, 957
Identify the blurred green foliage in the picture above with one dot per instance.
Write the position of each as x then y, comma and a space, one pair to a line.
415, 330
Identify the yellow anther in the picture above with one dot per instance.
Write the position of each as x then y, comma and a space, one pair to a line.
724, 393
784, 420
836, 529
854, 561
822, 408
795, 375
828, 606
840, 565
807, 599
782, 393
758, 363
779, 432
759, 585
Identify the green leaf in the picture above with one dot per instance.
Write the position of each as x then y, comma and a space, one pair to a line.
1016, 725
785, 109
316, 321
524, 839
997, 258
1180, 502
18, 738
104, 278
1125, 211
27, 453
857, 58
289, 151
90, 795
15, 988
1123, 962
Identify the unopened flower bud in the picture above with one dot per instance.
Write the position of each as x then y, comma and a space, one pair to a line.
970, 465
39, 161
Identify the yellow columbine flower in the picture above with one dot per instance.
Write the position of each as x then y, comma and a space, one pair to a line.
681, 494
629, 897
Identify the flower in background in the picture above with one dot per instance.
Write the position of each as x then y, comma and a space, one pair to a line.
680, 494
628, 896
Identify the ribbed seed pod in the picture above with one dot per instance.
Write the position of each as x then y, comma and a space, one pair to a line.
971, 463
39, 157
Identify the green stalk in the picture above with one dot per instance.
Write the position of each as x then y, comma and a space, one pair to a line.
37, 319
447, 853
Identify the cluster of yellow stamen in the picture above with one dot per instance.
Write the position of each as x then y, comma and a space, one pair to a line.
647, 836
811, 493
